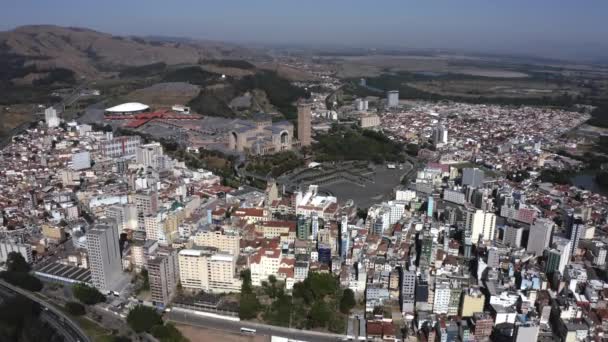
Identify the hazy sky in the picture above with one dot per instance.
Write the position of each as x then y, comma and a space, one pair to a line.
544, 27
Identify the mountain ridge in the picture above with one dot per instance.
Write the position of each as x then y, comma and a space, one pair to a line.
91, 53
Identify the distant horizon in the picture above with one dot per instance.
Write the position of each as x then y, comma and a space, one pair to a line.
554, 29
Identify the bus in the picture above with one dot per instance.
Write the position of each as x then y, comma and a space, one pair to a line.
247, 331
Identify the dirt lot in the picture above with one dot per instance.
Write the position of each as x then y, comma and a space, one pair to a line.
196, 334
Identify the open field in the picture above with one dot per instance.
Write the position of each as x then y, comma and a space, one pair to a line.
201, 334
520, 88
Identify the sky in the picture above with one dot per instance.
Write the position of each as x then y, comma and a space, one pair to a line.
549, 28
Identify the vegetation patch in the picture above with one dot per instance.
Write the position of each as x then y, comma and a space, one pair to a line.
351, 143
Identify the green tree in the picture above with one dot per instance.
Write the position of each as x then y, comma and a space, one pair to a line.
337, 324
167, 333
87, 294
320, 313
15, 262
347, 302
75, 308
142, 318
23, 280
146, 279
249, 305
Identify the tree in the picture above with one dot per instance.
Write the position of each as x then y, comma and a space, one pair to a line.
23, 280
75, 308
87, 294
319, 314
167, 333
337, 324
15, 262
347, 302
249, 305
146, 279
142, 318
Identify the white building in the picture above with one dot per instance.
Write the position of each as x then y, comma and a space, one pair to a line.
203, 270
442, 297
264, 263
481, 224
81, 161
50, 117
8, 246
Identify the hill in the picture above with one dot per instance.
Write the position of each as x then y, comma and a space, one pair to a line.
29, 52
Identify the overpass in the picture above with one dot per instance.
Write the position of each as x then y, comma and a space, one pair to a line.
57, 319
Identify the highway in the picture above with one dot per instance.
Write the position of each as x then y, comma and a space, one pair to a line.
261, 329
70, 330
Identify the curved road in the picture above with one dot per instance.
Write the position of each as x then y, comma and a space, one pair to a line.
57, 318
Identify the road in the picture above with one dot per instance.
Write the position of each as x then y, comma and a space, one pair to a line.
56, 318
261, 329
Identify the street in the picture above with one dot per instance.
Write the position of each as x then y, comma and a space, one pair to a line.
261, 329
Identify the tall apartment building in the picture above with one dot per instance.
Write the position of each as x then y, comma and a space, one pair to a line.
577, 228
440, 135
146, 202
8, 246
473, 301
473, 177
408, 290
124, 215
226, 242
50, 117
104, 255
512, 236
540, 236
148, 154
304, 123
163, 274
481, 224
442, 296
120, 146
482, 326
208, 271
392, 98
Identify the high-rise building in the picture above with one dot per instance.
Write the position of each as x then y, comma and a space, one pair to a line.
440, 135
392, 98
146, 202
473, 177
408, 289
148, 154
564, 246
540, 236
50, 117
163, 275
125, 216
483, 325
304, 123
120, 146
224, 241
314, 225
473, 301
442, 296
481, 224
512, 236
104, 255
303, 228
552, 260
430, 206
577, 228
207, 271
